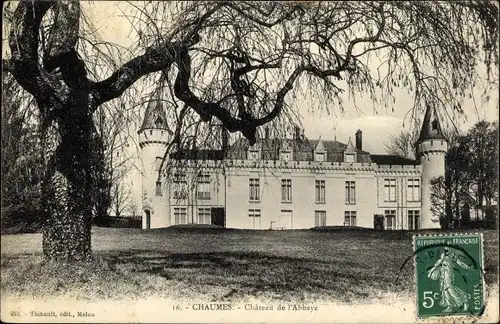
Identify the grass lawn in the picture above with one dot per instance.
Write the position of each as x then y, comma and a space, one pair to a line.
225, 265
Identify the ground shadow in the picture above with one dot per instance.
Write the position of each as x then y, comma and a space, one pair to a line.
254, 273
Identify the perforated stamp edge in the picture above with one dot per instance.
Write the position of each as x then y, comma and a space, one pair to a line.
447, 318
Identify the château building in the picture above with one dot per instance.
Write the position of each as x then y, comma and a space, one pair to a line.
288, 183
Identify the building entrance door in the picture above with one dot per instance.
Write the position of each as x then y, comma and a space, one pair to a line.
286, 221
378, 221
218, 216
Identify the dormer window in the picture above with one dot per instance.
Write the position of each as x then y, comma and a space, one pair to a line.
434, 125
158, 122
349, 158
319, 156
350, 152
253, 155
286, 155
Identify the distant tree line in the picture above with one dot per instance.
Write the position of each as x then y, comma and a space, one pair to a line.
22, 164
21, 161
471, 178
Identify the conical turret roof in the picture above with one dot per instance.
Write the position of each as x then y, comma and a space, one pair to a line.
431, 127
155, 116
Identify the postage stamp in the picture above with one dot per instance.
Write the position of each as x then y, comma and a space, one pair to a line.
449, 274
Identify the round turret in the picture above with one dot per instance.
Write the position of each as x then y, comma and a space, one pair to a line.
431, 148
154, 138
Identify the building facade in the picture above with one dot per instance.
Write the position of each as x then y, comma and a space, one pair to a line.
292, 183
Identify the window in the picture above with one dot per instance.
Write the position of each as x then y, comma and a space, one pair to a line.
350, 192
158, 122
254, 212
349, 158
203, 192
389, 189
158, 163
158, 188
204, 216
413, 219
350, 218
254, 189
320, 156
390, 219
180, 215
253, 155
203, 178
286, 156
434, 124
179, 178
203, 195
255, 215
413, 193
286, 190
180, 194
320, 191
320, 218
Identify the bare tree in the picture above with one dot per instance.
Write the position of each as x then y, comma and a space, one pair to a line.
134, 209
121, 199
241, 63
482, 142
113, 133
449, 194
471, 173
21, 158
402, 144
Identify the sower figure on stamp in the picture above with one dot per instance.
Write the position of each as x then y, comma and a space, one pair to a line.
451, 295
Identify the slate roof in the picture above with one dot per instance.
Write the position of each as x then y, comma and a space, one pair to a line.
155, 116
385, 159
303, 149
431, 126
214, 155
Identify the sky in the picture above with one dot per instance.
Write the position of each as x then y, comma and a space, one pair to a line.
376, 124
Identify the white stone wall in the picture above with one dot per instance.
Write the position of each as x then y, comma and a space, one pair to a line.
230, 189
368, 182
191, 201
433, 166
153, 144
401, 205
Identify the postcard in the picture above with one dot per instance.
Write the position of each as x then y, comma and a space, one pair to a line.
249, 162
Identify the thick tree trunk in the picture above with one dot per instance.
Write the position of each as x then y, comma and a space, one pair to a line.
66, 230
67, 203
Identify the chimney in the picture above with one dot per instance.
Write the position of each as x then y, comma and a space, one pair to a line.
359, 139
